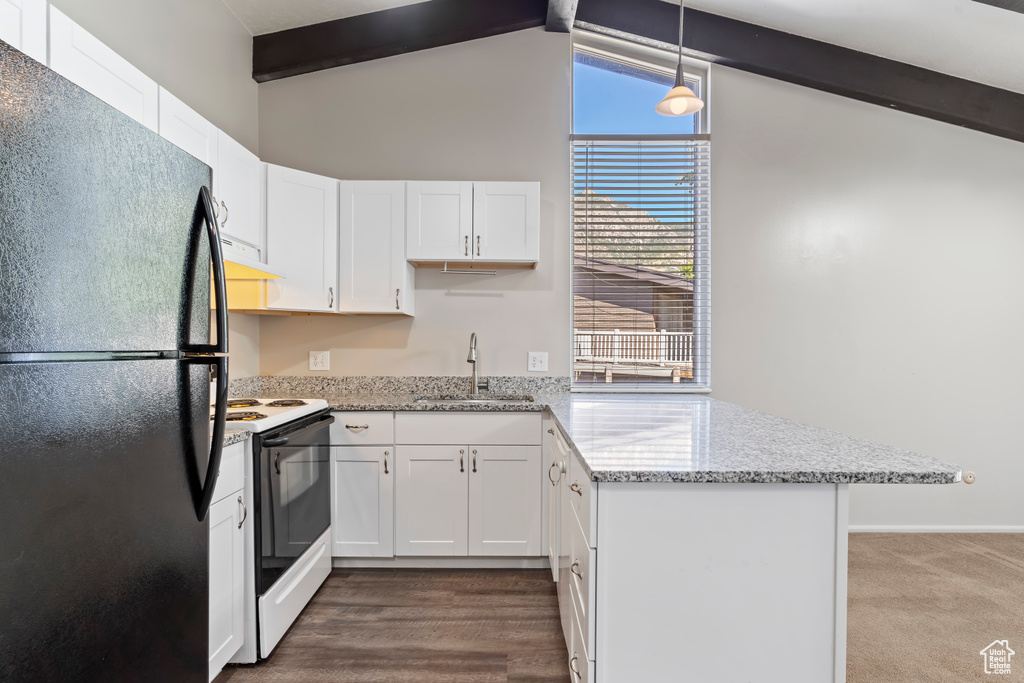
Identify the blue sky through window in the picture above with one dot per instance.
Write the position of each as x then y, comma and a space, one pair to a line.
612, 99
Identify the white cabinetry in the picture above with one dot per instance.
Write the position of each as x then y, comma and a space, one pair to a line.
183, 126
236, 186
227, 522
439, 224
23, 25
490, 222
468, 484
363, 485
83, 59
373, 274
302, 240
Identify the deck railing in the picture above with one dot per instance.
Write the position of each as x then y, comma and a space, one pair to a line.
660, 348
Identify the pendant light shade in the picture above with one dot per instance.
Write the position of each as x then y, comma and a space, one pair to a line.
680, 100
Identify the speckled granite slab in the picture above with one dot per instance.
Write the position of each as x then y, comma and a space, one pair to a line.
233, 436
416, 402
316, 385
687, 438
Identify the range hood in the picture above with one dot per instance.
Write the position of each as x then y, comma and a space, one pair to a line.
241, 262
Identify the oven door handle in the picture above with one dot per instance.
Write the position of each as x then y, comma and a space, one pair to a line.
271, 443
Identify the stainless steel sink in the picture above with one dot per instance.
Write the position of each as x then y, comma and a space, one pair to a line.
473, 399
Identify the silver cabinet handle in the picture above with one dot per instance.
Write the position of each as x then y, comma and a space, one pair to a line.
216, 207
551, 431
474, 460
225, 207
245, 512
277, 462
330, 304
462, 461
573, 569
466, 248
573, 668
357, 427
554, 480
575, 488
477, 244
396, 299
385, 462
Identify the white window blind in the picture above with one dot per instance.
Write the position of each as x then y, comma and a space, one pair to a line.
641, 220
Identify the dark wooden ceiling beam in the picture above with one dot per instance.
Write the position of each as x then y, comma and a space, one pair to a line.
387, 33
561, 15
815, 64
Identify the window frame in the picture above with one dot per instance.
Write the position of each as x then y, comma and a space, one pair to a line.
658, 60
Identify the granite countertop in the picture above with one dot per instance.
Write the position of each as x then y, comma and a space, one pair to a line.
692, 438
233, 436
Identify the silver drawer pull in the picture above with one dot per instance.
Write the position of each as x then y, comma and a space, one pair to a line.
245, 512
474, 460
385, 462
477, 244
572, 666
554, 480
357, 427
573, 569
467, 246
575, 488
462, 460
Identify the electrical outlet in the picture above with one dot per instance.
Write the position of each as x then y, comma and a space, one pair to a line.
319, 360
538, 361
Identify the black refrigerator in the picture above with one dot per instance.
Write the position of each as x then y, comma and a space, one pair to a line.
108, 247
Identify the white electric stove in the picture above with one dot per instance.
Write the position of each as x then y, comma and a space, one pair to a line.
260, 414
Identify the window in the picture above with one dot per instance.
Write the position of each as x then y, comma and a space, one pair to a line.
641, 207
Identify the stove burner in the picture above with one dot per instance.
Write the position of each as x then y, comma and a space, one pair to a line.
286, 403
243, 402
243, 416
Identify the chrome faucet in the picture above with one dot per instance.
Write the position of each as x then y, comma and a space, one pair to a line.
472, 358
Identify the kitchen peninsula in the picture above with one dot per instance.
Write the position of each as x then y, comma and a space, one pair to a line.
690, 537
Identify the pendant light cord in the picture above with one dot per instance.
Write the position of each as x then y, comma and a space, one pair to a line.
679, 66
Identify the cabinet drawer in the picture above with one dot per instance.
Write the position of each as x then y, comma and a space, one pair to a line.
579, 661
500, 429
232, 471
583, 496
363, 429
582, 561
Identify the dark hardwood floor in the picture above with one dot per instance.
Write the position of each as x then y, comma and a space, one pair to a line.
422, 626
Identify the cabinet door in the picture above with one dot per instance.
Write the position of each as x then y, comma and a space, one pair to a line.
431, 500
183, 126
236, 183
363, 501
373, 275
564, 585
504, 500
227, 580
81, 58
23, 25
506, 221
557, 461
302, 239
439, 221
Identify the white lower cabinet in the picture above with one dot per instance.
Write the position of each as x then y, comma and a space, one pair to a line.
363, 500
504, 501
431, 501
227, 518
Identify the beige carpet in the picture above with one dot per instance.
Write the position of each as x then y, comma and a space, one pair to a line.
923, 606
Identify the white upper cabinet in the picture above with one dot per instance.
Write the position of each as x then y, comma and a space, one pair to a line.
183, 126
83, 59
236, 188
440, 220
506, 221
373, 275
483, 221
302, 240
23, 25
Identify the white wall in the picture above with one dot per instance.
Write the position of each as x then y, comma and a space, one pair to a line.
866, 277
490, 109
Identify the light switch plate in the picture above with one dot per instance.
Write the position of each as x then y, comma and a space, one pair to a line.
319, 360
538, 361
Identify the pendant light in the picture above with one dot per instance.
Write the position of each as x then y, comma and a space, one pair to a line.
680, 100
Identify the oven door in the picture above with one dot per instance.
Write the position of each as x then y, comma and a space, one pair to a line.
294, 496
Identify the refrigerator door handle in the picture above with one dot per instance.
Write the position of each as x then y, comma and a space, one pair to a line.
220, 295
205, 494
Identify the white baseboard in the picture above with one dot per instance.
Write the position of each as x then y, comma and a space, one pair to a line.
441, 563
934, 529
